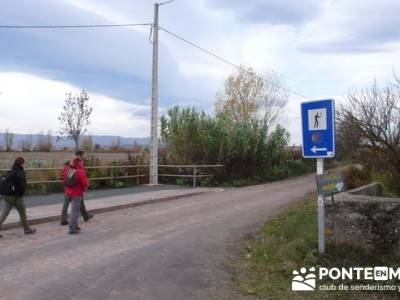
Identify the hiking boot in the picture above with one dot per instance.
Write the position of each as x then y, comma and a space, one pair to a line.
64, 223
30, 231
90, 216
74, 232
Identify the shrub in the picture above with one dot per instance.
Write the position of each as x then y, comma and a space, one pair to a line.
356, 176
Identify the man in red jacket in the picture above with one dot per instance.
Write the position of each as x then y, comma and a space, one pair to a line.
85, 214
76, 182
63, 174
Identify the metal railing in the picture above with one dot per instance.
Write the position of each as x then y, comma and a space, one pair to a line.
194, 174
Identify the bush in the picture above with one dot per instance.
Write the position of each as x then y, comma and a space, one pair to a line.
356, 176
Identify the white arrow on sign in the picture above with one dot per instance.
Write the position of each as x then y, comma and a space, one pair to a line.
315, 149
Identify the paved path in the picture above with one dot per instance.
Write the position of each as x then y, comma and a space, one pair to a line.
103, 201
33, 201
169, 250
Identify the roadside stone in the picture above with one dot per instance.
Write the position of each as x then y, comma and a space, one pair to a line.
363, 218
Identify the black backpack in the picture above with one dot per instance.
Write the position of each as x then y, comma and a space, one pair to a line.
72, 179
6, 185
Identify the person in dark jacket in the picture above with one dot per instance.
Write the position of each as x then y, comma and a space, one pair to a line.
18, 178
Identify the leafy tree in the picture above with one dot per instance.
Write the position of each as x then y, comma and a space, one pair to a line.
246, 149
249, 96
75, 117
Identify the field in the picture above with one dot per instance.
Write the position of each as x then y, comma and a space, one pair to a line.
49, 159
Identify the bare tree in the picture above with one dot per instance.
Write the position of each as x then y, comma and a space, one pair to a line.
250, 96
8, 140
75, 117
27, 144
45, 141
87, 143
369, 125
116, 143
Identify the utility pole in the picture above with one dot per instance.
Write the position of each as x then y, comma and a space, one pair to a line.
154, 104
154, 101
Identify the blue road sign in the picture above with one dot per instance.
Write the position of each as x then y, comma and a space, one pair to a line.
318, 122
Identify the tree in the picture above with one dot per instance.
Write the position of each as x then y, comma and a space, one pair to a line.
116, 143
75, 117
245, 149
248, 96
45, 141
27, 144
369, 127
87, 143
8, 140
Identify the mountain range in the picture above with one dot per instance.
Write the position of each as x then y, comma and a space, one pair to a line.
104, 141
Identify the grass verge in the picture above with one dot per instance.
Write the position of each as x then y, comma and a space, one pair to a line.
263, 268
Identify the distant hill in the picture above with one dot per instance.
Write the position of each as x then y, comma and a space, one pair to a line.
104, 141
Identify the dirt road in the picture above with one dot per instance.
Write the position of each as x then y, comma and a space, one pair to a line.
170, 250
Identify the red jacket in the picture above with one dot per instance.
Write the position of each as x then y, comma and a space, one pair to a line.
83, 182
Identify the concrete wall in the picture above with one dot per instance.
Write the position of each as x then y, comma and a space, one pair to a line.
360, 217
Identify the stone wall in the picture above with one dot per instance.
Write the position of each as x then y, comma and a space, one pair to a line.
361, 217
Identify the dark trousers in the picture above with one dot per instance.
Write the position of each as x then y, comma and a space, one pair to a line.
18, 203
64, 212
75, 207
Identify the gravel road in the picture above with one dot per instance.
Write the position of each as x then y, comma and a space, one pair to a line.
170, 250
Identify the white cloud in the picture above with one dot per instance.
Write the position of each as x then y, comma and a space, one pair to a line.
29, 104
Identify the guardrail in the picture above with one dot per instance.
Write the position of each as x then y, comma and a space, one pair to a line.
195, 174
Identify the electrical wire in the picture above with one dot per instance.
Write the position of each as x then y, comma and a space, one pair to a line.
223, 59
72, 26
142, 24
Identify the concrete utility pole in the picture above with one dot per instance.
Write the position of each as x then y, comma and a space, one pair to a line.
154, 101
154, 104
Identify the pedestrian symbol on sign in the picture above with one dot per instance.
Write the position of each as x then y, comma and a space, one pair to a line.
317, 119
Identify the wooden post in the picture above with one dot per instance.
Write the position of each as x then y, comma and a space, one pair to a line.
137, 174
112, 175
194, 175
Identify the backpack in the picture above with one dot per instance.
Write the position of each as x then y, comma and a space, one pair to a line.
6, 185
72, 178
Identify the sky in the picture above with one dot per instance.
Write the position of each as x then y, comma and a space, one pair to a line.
320, 49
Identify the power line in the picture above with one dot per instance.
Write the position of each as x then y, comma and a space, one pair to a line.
223, 59
72, 26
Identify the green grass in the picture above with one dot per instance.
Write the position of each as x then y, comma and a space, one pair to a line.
264, 267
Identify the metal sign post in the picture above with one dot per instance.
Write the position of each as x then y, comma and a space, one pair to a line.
321, 210
318, 123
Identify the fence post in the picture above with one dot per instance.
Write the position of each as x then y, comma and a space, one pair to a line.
137, 174
194, 175
112, 175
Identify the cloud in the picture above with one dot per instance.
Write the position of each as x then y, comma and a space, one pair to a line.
112, 61
283, 12
29, 104
353, 27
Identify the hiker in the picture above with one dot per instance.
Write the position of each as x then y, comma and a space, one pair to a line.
76, 182
16, 180
64, 213
85, 214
